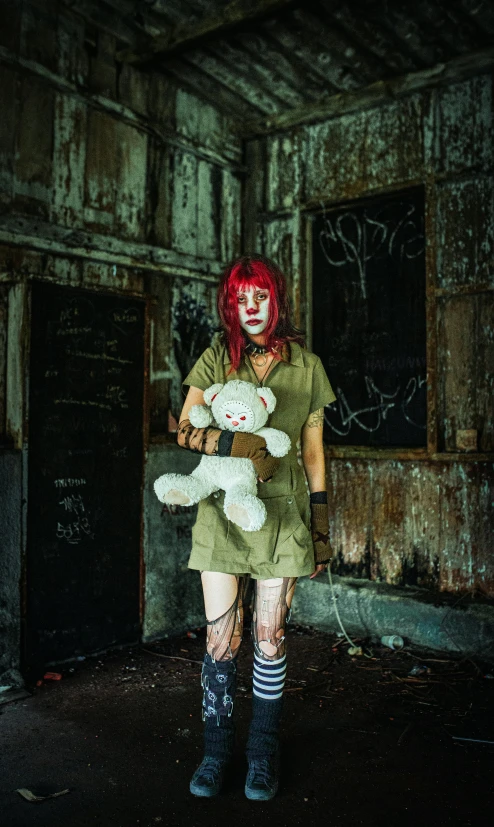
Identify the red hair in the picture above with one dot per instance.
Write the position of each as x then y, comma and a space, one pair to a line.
258, 271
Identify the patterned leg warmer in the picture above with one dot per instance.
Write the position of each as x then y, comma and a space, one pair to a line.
219, 680
267, 705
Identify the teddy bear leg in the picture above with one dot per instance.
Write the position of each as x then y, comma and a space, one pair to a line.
244, 509
180, 489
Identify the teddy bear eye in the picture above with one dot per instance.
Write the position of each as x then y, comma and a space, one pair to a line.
242, 418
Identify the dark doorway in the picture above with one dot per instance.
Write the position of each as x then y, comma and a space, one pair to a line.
84, 473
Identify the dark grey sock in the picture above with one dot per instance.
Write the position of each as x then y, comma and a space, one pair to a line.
263, 740
219, 680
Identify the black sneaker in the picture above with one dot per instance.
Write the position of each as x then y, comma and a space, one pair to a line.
208, 778
262, 778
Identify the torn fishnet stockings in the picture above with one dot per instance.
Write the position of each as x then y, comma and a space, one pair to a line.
272, 599
271, 604
224, 635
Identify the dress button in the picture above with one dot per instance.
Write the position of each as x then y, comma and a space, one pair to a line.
216, 495
289, 500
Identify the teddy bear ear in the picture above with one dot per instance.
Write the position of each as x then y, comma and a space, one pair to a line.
211, 392
268, 398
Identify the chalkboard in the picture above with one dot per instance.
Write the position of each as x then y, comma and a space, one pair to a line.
369, 319
84, 472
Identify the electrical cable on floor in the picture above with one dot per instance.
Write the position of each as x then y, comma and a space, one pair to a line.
340, 623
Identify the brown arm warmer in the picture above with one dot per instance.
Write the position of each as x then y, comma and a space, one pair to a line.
320, 528
215, 442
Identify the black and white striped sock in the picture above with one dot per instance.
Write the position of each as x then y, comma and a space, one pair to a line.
269, 678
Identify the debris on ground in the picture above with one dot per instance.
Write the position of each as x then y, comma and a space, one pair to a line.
34, 798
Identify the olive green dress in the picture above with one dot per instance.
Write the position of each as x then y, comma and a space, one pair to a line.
283, 546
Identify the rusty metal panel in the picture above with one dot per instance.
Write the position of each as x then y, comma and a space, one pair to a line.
130, 185
464, 126
8, 105
33, 159
69, 155
466, 325
465, 216
348, 156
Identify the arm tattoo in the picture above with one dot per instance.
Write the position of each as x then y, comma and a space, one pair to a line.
316, 419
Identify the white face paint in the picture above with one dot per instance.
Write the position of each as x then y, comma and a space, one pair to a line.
236, 416
253, 309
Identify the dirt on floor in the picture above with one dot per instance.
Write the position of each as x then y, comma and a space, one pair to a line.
401, 738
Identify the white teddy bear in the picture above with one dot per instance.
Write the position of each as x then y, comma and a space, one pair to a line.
235, 406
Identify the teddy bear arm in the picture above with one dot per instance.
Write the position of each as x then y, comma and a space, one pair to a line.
277, 442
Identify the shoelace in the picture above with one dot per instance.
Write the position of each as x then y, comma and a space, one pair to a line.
262, 771
210, 768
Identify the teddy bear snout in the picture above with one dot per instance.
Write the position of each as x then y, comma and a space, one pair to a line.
235, 424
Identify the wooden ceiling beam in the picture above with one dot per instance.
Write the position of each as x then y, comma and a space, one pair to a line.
186, 36
377, 94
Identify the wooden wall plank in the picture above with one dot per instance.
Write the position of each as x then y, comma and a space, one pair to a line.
207, 213
231, 200
130, 191
465, 218
457, 368
349, 156
184, 216
69, 156
4, 314
8, 107
33, 160
350, 515
464, 126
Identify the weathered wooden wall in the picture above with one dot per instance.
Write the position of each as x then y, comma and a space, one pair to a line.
427, 518
110, 178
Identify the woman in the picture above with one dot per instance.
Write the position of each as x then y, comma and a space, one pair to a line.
258, 344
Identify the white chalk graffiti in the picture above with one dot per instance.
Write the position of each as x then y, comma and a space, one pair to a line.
381, 403
74, 531
352, 238
70, 482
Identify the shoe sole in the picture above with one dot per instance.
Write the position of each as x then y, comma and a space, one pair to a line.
203, 792
258, 795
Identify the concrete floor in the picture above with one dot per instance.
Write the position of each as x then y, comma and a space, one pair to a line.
364, 743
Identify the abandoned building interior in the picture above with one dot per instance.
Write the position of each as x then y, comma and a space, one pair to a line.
144, 144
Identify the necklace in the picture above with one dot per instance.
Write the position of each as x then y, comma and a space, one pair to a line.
258, 353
